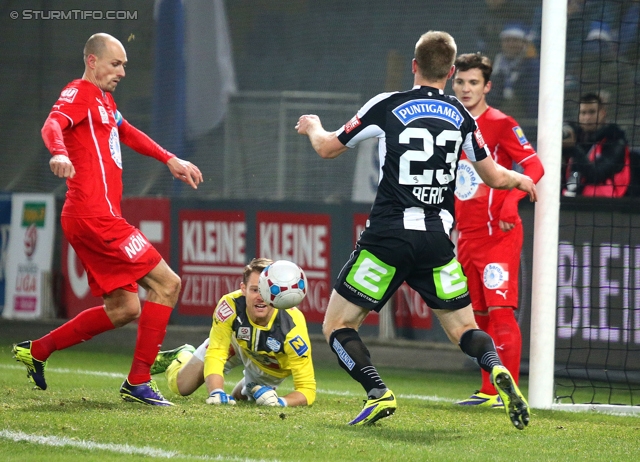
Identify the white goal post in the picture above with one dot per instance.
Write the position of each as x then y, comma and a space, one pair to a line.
547, 214
547, 210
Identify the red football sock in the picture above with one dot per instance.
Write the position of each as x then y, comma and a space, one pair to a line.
508, 339
84, 326
486, 387
482, 322
152, 326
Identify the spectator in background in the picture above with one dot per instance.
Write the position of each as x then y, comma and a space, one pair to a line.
516, 75
494, 17
629, 28
600, 68
593, 61
579, 13
595, 153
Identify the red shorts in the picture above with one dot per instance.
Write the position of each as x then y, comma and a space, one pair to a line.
114, 253
491, 264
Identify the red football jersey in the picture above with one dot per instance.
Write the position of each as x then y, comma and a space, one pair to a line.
478, 207
93, 145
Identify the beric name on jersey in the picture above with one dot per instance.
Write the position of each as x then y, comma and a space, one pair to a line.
422, 132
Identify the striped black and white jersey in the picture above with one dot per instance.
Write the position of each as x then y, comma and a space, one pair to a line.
420, 136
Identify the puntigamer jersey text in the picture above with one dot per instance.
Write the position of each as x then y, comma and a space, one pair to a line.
425, 132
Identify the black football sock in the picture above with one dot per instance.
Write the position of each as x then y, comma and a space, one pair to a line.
354, 358
479, 346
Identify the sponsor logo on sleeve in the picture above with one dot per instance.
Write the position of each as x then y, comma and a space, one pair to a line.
299, 345
68, 94
352, 124
520, 135
467, 181
479, 138
224, 311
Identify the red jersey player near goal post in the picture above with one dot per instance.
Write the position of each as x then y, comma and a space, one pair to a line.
83, 133
489, 227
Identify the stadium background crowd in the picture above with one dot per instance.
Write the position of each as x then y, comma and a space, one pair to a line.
288, 46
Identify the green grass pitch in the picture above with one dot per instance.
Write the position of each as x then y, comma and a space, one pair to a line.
82, 418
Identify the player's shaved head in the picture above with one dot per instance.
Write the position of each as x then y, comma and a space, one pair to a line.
435, 53
97, 44
104, 61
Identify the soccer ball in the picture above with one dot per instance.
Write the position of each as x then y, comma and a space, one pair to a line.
283, 284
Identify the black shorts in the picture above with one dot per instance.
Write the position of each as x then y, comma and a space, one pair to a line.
384, 259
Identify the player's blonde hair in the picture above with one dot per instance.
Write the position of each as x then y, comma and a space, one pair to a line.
255, 265
435, 53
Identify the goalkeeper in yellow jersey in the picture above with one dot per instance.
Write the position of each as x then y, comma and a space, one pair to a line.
271, 344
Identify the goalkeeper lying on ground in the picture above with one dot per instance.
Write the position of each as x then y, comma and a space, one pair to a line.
270, 343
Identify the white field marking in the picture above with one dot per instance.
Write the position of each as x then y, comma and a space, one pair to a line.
58, 441
437, 399
62, 370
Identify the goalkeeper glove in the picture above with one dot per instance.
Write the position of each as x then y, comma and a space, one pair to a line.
218, 396
267, 396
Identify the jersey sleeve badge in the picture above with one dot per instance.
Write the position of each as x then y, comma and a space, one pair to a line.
520, 135
223, 311
68, 95
479, 138
352, 124
299, 345
467, 181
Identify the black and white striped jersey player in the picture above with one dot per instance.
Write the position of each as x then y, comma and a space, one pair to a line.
420, 135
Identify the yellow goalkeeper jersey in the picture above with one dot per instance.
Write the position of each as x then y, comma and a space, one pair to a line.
279, 349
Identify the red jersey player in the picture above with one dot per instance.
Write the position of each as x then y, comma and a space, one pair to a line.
83, 133
488, 224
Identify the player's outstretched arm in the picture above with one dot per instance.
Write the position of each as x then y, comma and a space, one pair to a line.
325, 143
497, 177
185, 171
142, 143
51, 131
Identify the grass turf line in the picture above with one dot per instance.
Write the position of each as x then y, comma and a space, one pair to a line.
82, 405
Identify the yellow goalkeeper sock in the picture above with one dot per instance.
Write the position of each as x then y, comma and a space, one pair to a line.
174, 368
